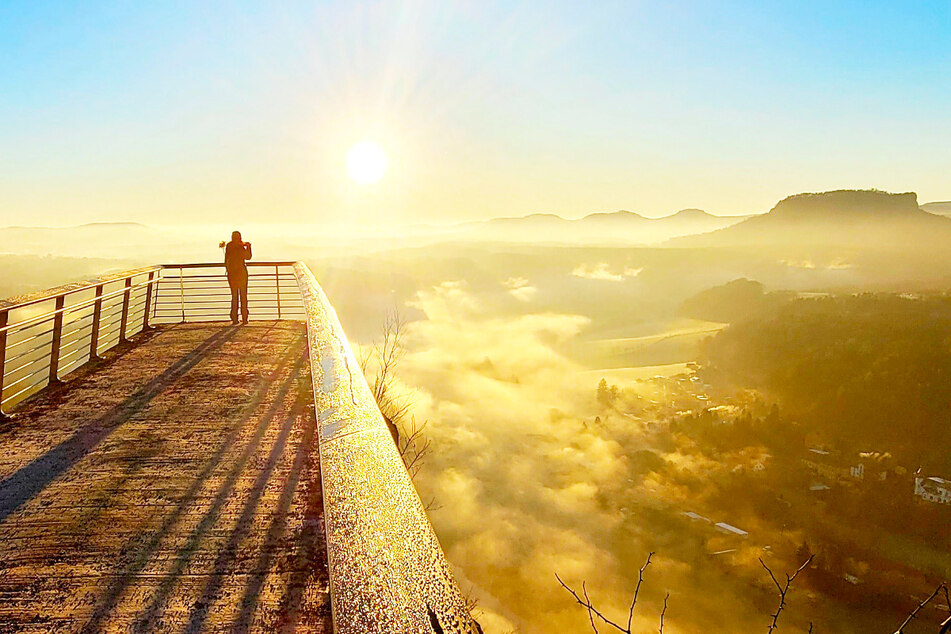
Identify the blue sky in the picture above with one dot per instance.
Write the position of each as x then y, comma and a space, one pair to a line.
201, 111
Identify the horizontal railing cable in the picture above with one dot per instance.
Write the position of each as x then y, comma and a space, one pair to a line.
45, 335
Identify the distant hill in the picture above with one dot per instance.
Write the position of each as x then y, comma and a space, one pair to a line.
940, 208
27, 273
618, 227
739, 300
691, 214
95, 239
853, 218
117, 225
128, 241
88, 225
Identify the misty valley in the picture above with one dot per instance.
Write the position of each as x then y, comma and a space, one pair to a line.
770, 390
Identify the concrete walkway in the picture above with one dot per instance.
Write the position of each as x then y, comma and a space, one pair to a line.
174, 486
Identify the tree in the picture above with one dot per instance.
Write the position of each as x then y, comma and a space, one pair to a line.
379, 363
945, 626
595, 616
783, 589
607, 396
594, 612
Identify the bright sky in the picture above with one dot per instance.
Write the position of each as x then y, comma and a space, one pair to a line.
175, 112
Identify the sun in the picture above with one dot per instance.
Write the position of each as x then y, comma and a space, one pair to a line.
366, 162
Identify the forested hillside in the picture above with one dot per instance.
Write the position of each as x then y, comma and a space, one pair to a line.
867, 372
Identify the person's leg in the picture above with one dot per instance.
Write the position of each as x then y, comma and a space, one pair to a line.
244, 303
234, 304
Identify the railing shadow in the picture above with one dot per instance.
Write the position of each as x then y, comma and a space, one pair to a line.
33, 478
302, 471
309, 547
227, 556
184, 554
144, 549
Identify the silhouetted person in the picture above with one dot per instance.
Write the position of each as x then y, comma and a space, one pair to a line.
236, 252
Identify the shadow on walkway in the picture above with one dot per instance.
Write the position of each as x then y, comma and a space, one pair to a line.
145, 546
192, 505
22, 486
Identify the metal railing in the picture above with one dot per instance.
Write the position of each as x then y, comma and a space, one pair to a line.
45, 335
200, 292
387, 569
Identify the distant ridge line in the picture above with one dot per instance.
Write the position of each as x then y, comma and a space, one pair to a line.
620, 213
845, 217
87, 225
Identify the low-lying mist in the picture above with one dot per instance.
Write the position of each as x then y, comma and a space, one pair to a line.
533, 477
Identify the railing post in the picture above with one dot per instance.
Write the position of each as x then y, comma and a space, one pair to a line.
148, 301
277, 286
4, 319
155, 297
96, 319
57, 338
124, 320
181, 290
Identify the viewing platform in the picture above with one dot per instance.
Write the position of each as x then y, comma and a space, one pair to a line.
165, 470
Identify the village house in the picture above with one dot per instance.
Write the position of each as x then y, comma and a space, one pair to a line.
871, 465
729, 529
935, 490
826, 465
831, 467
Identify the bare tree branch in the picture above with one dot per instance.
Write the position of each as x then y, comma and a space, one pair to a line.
946, 624
637, 589
771, 575
914, 613
472, 603
590, 609
379, 364
662, 614
586, 603
783, 589
593, 611
413, 446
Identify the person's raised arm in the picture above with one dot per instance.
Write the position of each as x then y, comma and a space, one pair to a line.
247, 250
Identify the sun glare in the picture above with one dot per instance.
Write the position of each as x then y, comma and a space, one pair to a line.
366, 162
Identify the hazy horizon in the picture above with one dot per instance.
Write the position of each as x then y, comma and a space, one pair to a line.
136, 112
382, 226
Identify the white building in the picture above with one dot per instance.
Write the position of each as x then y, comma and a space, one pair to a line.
937, 490
730, 529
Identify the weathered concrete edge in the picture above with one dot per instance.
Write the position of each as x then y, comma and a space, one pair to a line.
387, 570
